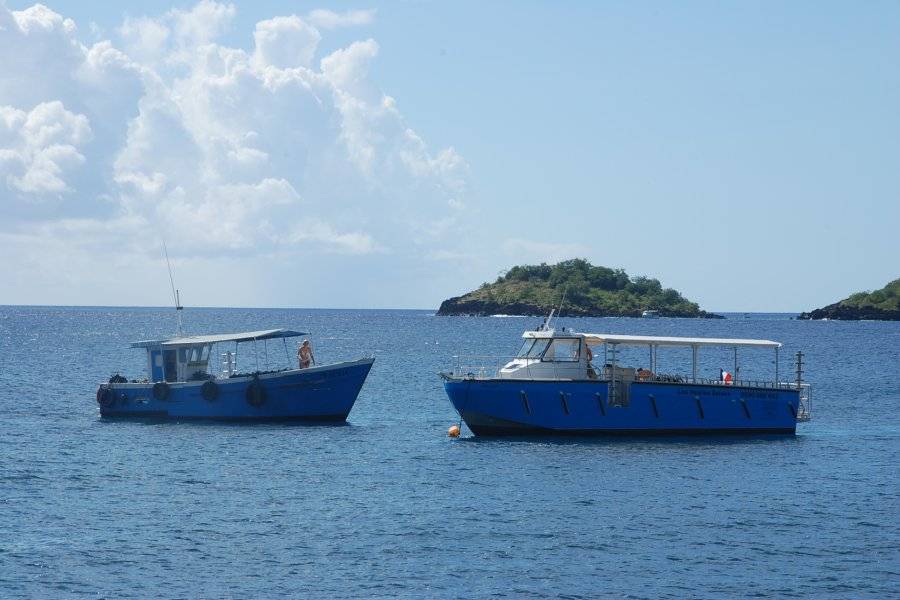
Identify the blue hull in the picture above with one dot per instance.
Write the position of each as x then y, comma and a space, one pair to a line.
521, 407
317, 394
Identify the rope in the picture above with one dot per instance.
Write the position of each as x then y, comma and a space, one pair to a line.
460, 412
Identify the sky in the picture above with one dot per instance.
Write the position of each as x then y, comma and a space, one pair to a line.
394, 154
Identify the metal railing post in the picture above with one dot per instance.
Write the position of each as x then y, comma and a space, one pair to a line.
776, 364
694, 363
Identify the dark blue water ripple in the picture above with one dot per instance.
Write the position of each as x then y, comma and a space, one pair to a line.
388, 506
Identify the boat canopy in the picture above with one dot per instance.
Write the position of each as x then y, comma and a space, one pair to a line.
193, 340
596, 339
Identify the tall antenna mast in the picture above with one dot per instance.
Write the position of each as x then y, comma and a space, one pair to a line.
565, 291
176, 296
553, 310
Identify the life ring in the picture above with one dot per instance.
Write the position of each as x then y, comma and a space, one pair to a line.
256, 393
105, 397
726, 378
210, 391
161, 390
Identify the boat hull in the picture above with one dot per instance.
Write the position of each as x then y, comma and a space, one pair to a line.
495, 407
325, 393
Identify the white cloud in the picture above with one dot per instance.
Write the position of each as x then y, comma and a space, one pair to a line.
39, 147
322, 234
163, 130
202, 24
285, 42
144, 38
40, 18
347, 69
327, 19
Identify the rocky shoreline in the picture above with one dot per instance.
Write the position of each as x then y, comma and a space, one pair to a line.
880, 305
838, 312
461, 306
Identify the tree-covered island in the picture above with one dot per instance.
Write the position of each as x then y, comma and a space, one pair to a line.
590, 291
880, 305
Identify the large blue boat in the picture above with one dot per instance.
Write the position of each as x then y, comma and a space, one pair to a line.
553, 387
180, 386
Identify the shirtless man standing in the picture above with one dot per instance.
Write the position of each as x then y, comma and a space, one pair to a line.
305, 355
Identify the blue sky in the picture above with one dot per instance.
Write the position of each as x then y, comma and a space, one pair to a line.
745, 154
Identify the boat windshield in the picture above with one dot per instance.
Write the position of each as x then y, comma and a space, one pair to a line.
523, 351
533, 348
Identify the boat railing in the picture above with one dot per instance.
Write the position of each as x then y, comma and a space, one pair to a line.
804, 411
687, 379
488, 367
474, 366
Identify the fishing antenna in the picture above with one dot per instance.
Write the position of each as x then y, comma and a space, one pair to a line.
559, 312
176, 296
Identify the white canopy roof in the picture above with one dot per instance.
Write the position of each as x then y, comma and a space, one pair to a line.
247, 336
595, 339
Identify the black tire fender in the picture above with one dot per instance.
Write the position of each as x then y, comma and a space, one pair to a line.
161, 390
105, 397
256, 393
210, 391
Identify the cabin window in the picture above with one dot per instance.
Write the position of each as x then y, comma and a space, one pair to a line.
563, 350
538, 348
526, 347
198, 355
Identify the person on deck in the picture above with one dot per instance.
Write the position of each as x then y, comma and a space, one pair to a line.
305, 355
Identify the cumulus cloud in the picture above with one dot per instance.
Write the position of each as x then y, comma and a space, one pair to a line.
202, 24
165, 126
39, 18
162, 130
285, 42
38, 148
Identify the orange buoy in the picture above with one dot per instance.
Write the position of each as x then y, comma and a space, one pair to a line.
453, 431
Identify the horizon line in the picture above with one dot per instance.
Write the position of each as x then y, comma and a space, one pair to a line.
327, 308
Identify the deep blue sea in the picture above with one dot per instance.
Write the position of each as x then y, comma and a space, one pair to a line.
389, 506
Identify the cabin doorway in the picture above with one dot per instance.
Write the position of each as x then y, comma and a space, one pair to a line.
170, 365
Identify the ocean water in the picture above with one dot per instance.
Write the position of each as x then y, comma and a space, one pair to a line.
389, 506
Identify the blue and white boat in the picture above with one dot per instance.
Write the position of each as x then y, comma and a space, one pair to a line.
180, 386
553, 387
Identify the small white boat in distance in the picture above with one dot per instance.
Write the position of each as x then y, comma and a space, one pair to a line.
650, 314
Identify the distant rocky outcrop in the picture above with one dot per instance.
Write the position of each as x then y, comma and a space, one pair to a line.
880, 305
590, 291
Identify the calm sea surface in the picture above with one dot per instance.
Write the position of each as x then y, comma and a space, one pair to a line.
388, 506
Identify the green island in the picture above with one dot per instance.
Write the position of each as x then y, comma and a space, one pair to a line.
590, 291
880, 305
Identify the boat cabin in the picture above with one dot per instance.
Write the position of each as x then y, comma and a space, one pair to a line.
566, 354
550, 354
186, 358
